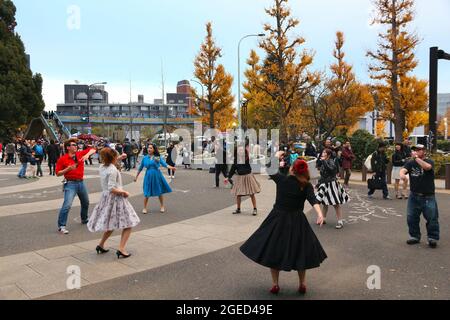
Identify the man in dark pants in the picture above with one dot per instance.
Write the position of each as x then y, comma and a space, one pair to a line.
53, 153
135, 150
221, 160
39, 155
422, 199
10, 150
379, 166
127, 149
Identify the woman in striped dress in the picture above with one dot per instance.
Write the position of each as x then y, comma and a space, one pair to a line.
329, 191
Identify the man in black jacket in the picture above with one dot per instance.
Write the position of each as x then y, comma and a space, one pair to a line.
379, 164
127, 149
53, 152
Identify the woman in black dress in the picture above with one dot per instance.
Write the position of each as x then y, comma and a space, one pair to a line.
285, 241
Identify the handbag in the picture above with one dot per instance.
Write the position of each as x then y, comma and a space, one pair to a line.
375, 183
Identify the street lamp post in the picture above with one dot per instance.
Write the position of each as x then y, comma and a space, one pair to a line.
239, 75
203, 95
88, 105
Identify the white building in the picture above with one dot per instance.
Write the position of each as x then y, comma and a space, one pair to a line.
369, 123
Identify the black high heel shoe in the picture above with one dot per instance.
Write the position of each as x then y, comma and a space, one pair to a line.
121, 255
100, 250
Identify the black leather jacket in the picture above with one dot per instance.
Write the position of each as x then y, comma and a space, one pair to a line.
328, 170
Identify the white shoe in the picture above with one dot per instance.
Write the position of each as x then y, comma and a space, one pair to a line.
163, 210
63, 230
144, 211
340, 225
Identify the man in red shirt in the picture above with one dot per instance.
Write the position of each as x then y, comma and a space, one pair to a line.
71, 166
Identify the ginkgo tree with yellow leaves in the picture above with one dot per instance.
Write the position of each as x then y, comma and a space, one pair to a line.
277, 84
413, 100
404, 97
338, 103
216, 106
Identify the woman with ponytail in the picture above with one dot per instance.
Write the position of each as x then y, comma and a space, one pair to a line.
285, 241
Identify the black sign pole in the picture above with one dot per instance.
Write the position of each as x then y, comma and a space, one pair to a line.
433, 96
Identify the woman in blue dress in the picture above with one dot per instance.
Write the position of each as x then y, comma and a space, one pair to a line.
155, 185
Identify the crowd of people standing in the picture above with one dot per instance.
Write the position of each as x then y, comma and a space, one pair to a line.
285, 241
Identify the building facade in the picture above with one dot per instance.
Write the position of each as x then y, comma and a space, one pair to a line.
369, 123
78, 93
443, 104
134, 116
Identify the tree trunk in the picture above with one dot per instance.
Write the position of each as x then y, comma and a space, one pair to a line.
400, 121
211, 118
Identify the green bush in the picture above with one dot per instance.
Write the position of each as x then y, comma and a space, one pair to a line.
439, 164
363, 144
443, 145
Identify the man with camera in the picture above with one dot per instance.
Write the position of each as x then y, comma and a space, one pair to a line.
71, 166
422, 199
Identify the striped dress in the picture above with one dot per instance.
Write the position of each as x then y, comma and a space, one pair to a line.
329, 191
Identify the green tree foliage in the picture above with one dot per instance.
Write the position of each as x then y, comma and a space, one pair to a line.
20, 90
363, 144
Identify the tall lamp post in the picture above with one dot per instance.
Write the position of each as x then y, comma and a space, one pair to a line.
239, 75
203, 93
88, 105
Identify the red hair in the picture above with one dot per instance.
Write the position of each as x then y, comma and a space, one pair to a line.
301, 172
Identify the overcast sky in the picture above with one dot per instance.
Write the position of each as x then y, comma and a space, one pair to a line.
116, 40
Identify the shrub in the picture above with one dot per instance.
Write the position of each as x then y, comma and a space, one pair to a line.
443, 145
363, 144
439, 164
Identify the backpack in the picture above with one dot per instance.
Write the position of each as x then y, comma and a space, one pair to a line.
368, 163
294, 157
39, 150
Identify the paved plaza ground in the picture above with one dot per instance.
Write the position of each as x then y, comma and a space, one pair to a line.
192, 251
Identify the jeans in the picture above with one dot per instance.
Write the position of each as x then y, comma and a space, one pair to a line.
23, 170
71, 189
348, 173
384, 182
39, 167
133, 161
427, 206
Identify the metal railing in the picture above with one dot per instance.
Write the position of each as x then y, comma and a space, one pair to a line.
48, 127
61, 125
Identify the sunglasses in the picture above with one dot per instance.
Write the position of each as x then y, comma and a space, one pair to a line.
73, 145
